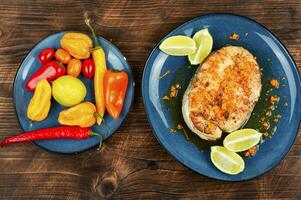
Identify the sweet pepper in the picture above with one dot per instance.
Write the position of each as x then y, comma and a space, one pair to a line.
99, 58
115, 85
49, 71
78, 45
39, 104
83, 115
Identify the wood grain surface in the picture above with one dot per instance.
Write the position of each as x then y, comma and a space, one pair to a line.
131, 164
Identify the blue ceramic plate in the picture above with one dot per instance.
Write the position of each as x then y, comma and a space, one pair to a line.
274, 60
115, 60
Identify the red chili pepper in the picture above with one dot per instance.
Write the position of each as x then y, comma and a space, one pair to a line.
49, 71
46, 55
115, 85
60, 132
88, 68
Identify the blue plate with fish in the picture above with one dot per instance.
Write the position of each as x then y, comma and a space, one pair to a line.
163, 71
114, 59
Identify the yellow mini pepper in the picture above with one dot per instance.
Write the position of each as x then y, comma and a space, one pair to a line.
77, 44
39, 104
83, 115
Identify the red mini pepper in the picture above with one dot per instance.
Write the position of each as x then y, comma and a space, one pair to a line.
49, 71
60, 132
46, 55
115, 85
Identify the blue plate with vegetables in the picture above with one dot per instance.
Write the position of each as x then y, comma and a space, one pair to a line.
223, 96
72, 91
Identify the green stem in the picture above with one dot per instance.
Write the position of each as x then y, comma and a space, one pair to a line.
100, 137
96, 43
100, 142
60, 63
93, 133
102, 119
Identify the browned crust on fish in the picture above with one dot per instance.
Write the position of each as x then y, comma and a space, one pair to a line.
224, 91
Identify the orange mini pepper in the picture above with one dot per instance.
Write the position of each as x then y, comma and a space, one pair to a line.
74, 67
83, 115
115, 85
63, 56
77, 44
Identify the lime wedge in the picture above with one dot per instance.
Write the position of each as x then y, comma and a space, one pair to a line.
227, 161
242, 140
204, 44
178, 46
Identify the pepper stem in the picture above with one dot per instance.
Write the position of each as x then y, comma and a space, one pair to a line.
100, 142
96, 43
93, 133
99, 135
102, 119
60, 63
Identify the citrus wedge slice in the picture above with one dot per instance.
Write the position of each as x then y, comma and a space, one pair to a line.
242, 140
204, 44
178, 46
226, 161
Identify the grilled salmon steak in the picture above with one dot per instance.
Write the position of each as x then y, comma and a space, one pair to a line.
222, 93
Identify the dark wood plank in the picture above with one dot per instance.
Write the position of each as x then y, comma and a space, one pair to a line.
131, 164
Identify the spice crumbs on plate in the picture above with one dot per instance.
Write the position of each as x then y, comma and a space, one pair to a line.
274, 83
266, 125
174, 90
268, 113
172, 130
165, 97
250, 152
234, 36
274, 99
179, 127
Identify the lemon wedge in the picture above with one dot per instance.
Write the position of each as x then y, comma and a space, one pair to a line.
226, 161
242, 140
178, 46
204, 43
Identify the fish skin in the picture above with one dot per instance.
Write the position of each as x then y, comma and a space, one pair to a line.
223, 92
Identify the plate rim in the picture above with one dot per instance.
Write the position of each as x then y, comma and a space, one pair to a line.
18, 71
147, 109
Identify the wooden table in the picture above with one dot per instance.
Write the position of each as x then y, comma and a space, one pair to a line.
131, 164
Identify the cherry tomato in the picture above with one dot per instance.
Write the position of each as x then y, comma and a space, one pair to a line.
46, 55
74, 67
62, 56
88, 68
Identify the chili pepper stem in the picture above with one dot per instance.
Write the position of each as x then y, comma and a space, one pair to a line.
94, 133
96, 43
95, 48
100, 142
100, 138
104, 122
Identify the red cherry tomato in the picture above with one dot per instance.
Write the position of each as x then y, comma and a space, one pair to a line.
46, 55
88, 68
